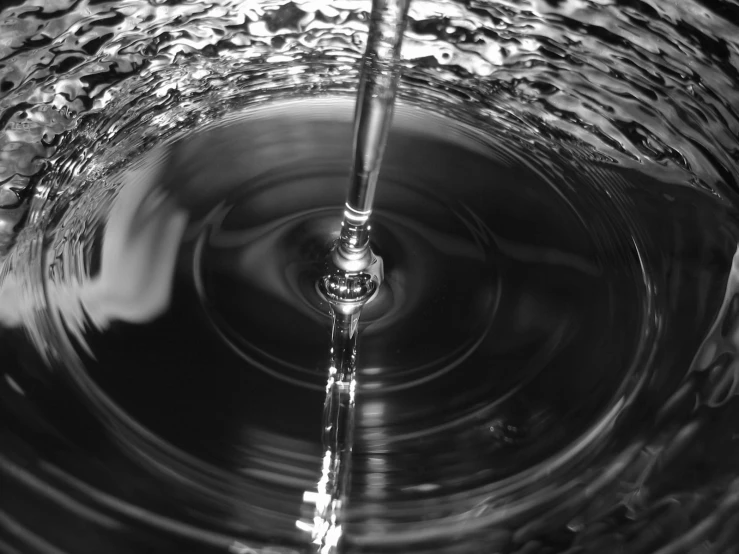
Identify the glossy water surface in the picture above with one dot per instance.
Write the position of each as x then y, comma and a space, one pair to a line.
550, 364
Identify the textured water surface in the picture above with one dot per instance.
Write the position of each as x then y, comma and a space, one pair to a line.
550, 365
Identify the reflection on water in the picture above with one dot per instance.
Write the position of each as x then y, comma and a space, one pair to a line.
163, 344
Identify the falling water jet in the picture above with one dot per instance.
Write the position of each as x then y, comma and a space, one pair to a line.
372, 118
353, 272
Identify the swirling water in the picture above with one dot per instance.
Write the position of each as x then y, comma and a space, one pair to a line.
560, 189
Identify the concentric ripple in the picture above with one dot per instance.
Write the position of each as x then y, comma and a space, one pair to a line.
549, 366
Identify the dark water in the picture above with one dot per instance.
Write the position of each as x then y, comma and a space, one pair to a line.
549, 366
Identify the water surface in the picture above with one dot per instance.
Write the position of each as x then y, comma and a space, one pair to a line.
560, 188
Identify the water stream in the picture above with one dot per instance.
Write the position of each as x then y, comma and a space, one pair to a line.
354, 273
